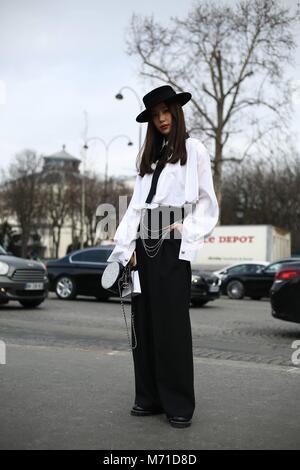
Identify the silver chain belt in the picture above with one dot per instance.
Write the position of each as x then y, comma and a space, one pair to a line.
152, 250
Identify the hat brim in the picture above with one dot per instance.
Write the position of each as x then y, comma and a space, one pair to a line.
181, 98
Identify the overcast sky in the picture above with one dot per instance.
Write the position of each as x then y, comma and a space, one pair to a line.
61, 57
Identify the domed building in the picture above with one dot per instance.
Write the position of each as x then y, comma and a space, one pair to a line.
61, 161
60, 181
60, 170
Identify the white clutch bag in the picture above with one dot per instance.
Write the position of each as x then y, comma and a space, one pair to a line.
134, 288
136, 283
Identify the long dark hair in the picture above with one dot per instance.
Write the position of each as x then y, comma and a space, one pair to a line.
154, 140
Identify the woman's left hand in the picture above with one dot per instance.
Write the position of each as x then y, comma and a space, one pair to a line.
177, 225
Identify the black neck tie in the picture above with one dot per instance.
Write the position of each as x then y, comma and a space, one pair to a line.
158, 169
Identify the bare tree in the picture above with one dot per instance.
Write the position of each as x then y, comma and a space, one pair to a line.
233, 59
74, 204
56, 202
94, 195
265, 191
22, 193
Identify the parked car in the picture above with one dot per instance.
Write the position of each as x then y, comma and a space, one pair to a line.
80, 272
205, 287
21, 279
256, 284
249, 266
285, 293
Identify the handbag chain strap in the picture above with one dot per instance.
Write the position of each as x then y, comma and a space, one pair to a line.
125, 281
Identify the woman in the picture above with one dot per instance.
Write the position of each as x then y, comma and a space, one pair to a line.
172, 209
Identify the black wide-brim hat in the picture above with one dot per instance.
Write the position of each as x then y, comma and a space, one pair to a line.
161, 94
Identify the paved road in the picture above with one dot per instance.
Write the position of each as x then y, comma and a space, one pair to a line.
66, 398
68, 380
223, 329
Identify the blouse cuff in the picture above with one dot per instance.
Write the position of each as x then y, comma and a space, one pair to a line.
188, 251
122, 253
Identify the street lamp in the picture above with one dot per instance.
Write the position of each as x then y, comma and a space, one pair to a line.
120, 96
83, 158
107, 146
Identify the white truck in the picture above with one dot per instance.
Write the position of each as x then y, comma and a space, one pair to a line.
230, 244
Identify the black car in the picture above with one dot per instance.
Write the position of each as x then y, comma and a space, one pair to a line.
285, 293
240, 268
205, 287
23, 280
255, 284
80, 272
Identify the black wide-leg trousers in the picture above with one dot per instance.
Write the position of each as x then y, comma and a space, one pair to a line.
163, 358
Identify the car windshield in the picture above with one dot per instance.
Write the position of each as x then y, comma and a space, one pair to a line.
2, 251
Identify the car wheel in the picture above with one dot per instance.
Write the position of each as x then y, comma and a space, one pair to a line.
65, 288
31, 303
235, 290
4, 301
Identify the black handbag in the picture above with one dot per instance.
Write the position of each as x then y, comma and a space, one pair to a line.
121, 280
116, 277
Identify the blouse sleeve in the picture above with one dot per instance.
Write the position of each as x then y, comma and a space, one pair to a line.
126, 232
204, 214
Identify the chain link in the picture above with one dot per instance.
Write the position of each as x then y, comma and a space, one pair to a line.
152, 251
154, 248
126, 281
146, 226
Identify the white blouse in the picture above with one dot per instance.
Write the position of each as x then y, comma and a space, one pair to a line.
189, 185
